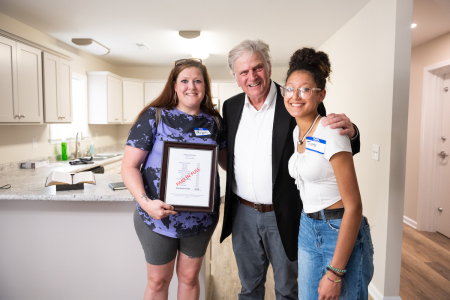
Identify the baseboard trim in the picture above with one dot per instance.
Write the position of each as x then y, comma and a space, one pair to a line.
410, 222
376, 295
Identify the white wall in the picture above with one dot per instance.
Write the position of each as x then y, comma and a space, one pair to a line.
370, 82
69, 250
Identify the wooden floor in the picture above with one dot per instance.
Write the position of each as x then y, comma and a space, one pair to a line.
425, 272
225, 284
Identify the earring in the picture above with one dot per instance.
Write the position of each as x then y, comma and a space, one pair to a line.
175, 98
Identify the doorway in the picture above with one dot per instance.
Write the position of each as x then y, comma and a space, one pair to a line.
444, 164
434, 188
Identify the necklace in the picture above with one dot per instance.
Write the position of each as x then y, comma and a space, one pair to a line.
300, 142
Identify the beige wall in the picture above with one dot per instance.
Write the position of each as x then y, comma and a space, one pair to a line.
370, 78
427, 54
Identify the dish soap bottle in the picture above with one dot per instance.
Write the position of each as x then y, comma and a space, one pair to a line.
63, 151
92, 149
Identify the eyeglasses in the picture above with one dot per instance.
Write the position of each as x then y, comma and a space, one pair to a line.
185, 60
304, 93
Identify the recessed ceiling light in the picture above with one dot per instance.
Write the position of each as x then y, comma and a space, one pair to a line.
143, 46
413, 25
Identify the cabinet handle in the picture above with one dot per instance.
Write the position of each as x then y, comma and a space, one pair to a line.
17, 116
21, 116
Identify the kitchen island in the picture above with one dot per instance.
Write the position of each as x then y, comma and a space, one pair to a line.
77, 244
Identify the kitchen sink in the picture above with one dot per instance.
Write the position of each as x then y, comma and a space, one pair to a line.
102, 156
106, 155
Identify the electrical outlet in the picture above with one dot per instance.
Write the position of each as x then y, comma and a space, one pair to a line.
376, 152
34, 141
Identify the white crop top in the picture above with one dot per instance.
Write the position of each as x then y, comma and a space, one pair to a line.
312, 169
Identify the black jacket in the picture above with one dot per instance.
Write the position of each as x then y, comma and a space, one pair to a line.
285, 196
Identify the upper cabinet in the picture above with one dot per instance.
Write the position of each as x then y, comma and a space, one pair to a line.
20, 83
152, 90
133, 99
105, 98
57, 89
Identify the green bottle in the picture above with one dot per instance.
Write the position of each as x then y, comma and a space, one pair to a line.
63, 151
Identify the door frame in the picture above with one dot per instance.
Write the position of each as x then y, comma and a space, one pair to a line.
431, 122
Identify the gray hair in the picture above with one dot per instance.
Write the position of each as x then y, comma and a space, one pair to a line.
249, 46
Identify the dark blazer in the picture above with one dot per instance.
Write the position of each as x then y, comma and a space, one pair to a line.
285, 196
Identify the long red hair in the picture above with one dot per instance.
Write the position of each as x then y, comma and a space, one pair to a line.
167, 97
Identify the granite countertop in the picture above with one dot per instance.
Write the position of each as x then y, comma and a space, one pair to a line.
29, 184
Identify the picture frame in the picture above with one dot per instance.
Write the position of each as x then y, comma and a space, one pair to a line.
188, 176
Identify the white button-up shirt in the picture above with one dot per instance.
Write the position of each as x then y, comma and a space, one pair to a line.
253, 151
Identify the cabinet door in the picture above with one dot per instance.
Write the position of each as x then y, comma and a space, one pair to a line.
114, 100
29, 83
65, 90
152, 90
133, 100
9, 110
51, 93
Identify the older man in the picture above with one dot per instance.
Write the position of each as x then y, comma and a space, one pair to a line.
262, 203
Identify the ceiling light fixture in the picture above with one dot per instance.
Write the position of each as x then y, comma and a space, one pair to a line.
92, 46
189, 34
413, 25
196, 45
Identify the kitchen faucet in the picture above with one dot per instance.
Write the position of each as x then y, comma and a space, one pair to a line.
77, 145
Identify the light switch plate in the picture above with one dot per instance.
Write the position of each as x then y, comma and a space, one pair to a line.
376, 152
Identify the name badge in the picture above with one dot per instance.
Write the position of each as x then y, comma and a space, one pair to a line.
201, 131
315, 144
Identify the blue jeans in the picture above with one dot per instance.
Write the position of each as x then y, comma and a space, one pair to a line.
316, 244
256, 243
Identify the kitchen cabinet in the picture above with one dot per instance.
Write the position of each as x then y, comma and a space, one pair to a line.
20, 83
105, 98
133, 99
152, 90
57, 89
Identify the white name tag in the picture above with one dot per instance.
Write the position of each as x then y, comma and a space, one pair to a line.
201, 131
315, 144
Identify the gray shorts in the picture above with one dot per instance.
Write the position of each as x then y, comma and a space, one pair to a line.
160, 249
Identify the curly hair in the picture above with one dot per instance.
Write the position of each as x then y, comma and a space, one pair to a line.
314, 62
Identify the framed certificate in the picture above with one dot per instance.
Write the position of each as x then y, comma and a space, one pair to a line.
188, 176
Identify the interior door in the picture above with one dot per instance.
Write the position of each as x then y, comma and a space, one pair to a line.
444, 163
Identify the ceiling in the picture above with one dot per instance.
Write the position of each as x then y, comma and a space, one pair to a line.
285, 25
